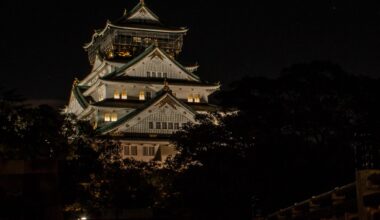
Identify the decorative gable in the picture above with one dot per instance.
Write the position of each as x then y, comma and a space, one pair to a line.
164, 116
157, 64
143, 13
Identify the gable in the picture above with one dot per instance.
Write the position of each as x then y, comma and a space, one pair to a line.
165, 109
157, 64
143, 13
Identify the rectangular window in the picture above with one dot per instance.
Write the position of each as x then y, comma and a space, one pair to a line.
170, 125
148, 95
107, 117
159, 74
142, 95
165, 75
145, 151
151, 151
190, 98
183, 125
116, 94
176, 126
113, 117
124, 94
197, 99
148, 74
137, 39
164, 125
153, 74
126, 151
151, 125
134, 150
158, 125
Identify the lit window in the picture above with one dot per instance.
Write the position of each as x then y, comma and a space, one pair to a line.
197, 99
126, 150
176, 126
116, 94
148, 74
137, 39
158, 125
148, 95
159, 74
107, 117
190, 98
164, 125
134, 150
170, 125
124, 94
150, 125
101, 95
113, 117
142, 95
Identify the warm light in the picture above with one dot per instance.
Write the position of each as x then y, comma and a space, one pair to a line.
107, 117
190, 98
137, 39
114, 117
142, 95
124, 94
116, 94
83, 218
197, 99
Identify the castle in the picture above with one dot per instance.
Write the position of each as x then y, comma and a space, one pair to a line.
137, 92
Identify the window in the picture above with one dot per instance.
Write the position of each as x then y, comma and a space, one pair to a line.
148, 151
153, 74
183, 125
126, 150
197, 99
134, 150
165, 75
113, 117
164, 125
142, 95
116, 94
170, 125
148, 74
159, 74
148, 95
190, 98
137, 39
150, 125
124, 94
158, 125
145, 151
107, 117
176, 126
151, 151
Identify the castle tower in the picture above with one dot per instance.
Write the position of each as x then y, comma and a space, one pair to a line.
137, 92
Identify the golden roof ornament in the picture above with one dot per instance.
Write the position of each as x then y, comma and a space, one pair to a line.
76, 82
166, 86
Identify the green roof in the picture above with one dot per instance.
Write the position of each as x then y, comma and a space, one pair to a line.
79, 96
142, 55
162, 93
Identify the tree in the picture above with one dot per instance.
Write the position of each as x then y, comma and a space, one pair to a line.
294, 137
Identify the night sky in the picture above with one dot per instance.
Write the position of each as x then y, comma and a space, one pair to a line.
41, 42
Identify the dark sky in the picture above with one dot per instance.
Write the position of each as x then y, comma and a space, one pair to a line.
41, 41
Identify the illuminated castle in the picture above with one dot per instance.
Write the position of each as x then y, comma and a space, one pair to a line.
136, 91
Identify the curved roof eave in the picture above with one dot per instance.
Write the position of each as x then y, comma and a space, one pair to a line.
109, 24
